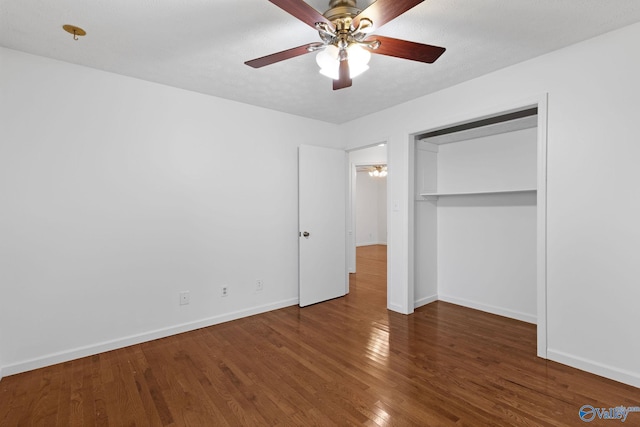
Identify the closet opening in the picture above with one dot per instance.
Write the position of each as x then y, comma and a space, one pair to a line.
479, 215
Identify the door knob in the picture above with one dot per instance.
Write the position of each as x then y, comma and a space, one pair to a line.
305, 234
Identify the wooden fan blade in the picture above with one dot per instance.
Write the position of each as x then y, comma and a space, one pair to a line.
302, 11
344, 77
406, 49
383, 11
280, 56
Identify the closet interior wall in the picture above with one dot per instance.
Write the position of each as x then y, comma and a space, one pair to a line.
475, 222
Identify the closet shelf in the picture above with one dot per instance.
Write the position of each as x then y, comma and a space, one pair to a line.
434, 196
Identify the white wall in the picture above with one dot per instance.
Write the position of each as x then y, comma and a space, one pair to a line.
1, 352
425, 231
504, 161
119, 193
371, 218
592, 176
487, 253
376, 155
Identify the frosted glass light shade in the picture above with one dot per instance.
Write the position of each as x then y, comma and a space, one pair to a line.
328, 57
358, 55
329, 63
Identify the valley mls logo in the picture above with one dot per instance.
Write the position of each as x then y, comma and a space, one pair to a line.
588, 413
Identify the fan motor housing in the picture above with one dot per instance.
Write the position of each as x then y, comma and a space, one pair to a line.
340, 9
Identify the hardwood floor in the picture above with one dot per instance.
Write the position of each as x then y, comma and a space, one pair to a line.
348, 361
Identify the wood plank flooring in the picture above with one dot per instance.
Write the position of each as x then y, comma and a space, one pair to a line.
348, 361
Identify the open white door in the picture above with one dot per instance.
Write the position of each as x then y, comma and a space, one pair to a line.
322, 184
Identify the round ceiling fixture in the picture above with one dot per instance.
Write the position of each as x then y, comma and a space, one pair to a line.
76, 31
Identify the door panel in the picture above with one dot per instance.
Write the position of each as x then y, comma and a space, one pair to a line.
322, 188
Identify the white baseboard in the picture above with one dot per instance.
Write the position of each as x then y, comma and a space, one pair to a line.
529, 318
424, 301
396, 307
626, 377
67, 355
0, 373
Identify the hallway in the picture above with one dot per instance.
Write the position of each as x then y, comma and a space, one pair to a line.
368, 286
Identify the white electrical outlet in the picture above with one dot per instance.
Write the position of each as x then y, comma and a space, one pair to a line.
224, 291
259, 285
184, 298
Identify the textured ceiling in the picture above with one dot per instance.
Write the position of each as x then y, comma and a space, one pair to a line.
201, 45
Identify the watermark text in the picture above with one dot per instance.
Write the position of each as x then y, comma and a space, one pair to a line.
589, 413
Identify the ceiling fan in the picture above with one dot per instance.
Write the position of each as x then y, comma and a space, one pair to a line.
346, 44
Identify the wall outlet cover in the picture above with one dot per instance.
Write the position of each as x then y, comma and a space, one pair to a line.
185, 298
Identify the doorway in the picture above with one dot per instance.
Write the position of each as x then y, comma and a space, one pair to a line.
367, 219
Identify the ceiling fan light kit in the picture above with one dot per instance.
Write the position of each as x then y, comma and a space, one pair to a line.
346, 46
378, 171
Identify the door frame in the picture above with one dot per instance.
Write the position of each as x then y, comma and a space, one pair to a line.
541, 102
